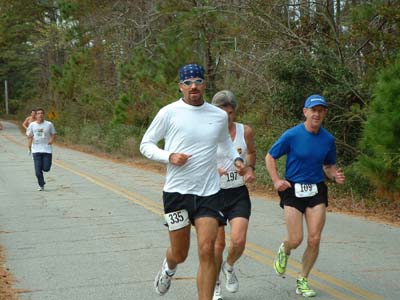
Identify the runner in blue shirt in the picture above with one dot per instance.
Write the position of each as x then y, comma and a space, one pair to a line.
311, 152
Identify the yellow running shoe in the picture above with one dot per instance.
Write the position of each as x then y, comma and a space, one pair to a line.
302, 288
280, 261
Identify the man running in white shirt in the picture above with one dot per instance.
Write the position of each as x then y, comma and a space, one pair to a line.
41, 135
192, 130
237, 205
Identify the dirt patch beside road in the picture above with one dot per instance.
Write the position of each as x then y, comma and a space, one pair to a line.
7, 292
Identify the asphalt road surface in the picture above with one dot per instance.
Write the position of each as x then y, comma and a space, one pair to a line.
96, 233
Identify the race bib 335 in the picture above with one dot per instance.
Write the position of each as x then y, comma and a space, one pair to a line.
177, 219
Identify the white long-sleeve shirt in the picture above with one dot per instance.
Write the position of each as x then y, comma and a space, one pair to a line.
194, 130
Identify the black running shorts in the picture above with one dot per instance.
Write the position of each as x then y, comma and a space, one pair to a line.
236, 203
289, 198
196, 206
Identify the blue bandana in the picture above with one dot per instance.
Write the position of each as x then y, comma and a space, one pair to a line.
191, 71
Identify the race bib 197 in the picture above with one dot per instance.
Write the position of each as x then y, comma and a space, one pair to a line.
231, 179
305, 190
177, 219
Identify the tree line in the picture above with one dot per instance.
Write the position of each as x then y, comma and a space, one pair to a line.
104, 68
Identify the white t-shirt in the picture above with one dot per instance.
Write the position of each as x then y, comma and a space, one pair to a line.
41, 135
194, 130
232, 179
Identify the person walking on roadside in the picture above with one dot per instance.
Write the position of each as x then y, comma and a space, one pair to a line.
41, 136
311, 152
237, 205
29, 119
192, 130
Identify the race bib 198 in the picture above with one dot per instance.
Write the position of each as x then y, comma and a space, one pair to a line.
305, 190
177, 219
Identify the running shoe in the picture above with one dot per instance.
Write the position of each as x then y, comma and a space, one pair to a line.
40, 188
162, 282
232, 283
280, 261
217, 291
302, 288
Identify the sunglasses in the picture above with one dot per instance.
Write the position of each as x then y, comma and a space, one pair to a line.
190, 82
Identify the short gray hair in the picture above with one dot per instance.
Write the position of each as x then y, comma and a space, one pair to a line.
225, 98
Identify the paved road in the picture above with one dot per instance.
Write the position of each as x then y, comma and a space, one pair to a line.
96, 233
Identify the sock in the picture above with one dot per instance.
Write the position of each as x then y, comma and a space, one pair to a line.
228, 267
167, 270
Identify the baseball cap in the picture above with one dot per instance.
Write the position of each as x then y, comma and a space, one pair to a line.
315, 100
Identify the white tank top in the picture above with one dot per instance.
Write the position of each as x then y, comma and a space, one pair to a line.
232, 179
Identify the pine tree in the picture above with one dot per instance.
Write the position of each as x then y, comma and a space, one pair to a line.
380, 161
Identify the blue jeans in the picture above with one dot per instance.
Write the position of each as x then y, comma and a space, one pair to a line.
42, 163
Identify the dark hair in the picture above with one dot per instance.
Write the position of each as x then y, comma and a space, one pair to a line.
37, 109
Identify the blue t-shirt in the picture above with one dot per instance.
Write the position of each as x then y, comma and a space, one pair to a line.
306, 152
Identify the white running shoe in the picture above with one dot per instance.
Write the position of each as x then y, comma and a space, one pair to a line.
232, 283
217, 291
162, 282
40, 188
